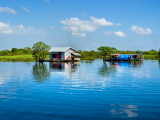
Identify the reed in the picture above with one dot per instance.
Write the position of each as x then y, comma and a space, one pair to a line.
25, 58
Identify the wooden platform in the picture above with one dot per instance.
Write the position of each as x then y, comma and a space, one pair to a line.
59, 60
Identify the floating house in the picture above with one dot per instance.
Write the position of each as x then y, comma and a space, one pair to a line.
63, 53
125, 57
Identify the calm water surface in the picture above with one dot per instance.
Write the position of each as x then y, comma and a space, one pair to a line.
89, 90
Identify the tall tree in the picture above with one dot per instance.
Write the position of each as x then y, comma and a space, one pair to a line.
106, 50
40, 50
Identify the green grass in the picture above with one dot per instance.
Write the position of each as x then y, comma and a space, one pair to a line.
25, 58
153, 57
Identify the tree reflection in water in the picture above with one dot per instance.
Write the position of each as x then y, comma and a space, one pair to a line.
107, 71
87, 61
159, 63
40, 72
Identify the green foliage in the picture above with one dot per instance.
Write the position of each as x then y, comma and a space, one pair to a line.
153, 52
21, 51
106, 50
89, 54
14, 50
138, 52
5, 53
125, 52
40, 50
153, 57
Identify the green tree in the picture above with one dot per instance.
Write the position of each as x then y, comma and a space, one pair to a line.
5, 52
138, 52
40, 50
14, 50
153, 52
106, 50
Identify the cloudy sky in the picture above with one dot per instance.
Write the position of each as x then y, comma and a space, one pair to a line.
124, 24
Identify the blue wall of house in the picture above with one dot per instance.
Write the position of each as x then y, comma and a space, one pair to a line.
50, 55
62, 55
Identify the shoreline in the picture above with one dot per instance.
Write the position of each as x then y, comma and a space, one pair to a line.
29, 58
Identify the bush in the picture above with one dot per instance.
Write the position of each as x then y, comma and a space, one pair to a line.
5, 52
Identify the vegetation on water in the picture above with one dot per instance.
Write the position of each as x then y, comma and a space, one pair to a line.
40, 51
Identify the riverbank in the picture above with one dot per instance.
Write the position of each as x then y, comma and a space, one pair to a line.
29, 58
25, 58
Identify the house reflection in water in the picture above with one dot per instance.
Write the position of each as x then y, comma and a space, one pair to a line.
126, 64
68, 67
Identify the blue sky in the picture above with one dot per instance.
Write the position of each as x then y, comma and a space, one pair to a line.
124, 24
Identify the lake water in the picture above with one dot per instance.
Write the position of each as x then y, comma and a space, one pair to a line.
87, 90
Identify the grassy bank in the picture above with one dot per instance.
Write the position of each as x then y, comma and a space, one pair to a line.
28, 58
25, 58
153, 57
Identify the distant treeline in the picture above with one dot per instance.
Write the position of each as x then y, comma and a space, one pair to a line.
16, 51
104, 50
99, 54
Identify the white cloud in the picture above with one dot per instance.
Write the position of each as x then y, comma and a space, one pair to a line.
79, 34
108, 33
52, 27
21, 26
119, 34
101, 22
84, 14
5, 28
19, 29
25, 9
80, 26
7, 10
46, 1
118, 24
140, 30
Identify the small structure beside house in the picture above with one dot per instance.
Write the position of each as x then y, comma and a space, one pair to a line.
63, 53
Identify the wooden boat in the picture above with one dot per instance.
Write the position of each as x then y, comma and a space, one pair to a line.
125, 57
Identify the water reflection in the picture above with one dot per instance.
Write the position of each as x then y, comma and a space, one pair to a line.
69, 67
87, 61
124, 111
40, 72
159, 63
108, 68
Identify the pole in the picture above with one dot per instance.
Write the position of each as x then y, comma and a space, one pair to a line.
70, 39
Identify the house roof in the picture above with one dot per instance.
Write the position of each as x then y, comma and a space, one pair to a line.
61, 49
76, 54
